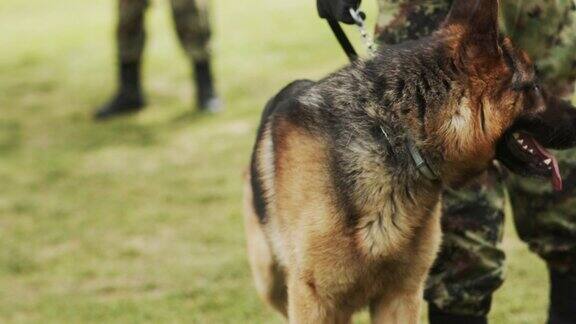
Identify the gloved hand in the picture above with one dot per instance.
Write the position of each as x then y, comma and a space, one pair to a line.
338, 9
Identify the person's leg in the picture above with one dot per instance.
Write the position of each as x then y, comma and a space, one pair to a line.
562, 298
191, 19
544, 219
130, 38
470, 265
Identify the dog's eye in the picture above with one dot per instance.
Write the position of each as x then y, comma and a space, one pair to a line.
537, 90
527, 87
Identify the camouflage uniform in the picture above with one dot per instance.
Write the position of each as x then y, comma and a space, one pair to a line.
191, 21
470, 266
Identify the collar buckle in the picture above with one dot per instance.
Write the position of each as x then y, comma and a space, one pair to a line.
420, 163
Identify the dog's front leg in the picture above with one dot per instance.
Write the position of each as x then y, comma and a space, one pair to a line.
306, 307
400, 308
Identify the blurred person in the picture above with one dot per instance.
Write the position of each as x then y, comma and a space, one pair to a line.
192, 24
470, 265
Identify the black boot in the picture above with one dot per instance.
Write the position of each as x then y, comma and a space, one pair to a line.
437, 316
129, 98
562, 299
206, 97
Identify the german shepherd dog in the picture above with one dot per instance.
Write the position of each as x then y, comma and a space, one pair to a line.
343, 196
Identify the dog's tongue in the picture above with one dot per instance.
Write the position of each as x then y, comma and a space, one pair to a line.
556, 178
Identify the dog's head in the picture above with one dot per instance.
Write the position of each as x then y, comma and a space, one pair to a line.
503, 112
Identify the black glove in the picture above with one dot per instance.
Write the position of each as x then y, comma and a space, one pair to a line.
338, 9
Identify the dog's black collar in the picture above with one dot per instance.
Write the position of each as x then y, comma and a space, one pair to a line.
416, 156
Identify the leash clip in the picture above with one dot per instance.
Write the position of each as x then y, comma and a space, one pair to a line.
358, 15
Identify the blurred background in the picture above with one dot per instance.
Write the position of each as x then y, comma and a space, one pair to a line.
139, 219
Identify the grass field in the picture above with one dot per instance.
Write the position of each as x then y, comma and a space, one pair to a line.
139, 219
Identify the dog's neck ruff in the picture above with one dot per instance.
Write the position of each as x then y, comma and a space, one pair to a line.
417, 158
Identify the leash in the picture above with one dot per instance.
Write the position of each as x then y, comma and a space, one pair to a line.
368, 41
343, 39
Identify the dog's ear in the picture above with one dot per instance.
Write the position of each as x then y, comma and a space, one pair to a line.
477, 23
478, 20
479, 17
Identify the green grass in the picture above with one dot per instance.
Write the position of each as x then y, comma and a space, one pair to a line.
139, 219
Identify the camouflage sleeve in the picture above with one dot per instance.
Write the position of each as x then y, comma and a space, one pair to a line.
401, 20
192, 20
547, 31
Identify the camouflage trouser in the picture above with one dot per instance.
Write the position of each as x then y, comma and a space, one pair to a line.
191, 20
470, 265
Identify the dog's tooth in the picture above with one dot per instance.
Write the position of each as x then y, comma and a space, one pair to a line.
516, 135
521, 141
531, 151
547, 161
525, 147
